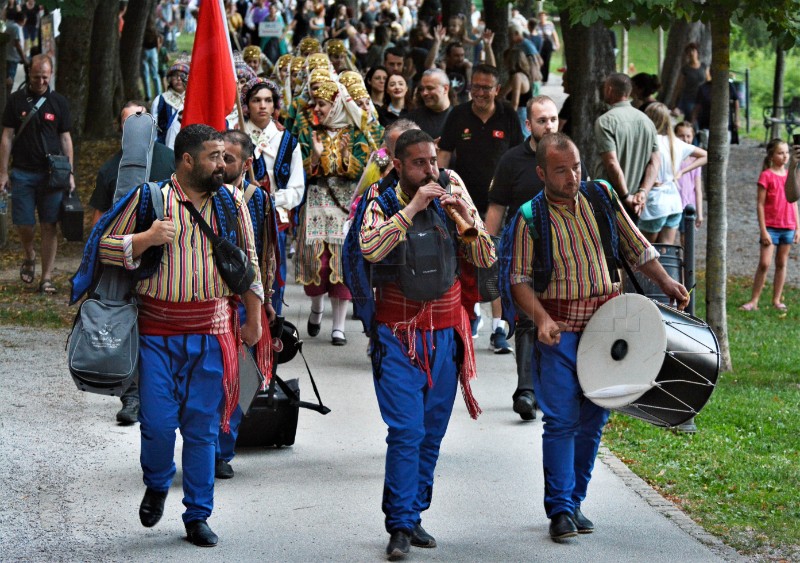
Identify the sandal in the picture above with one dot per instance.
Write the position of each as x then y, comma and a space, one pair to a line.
27, 272
781, 307
47, 287
748, 307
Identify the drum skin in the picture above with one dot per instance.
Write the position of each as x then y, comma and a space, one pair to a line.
648, 360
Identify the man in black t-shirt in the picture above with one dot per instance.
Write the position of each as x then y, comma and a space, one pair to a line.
515, 182
434, 89
479, 133
47, 132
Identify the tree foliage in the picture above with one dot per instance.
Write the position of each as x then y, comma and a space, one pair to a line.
782, 17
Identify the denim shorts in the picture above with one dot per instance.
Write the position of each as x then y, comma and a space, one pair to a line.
655, 225
781, 236
29, 194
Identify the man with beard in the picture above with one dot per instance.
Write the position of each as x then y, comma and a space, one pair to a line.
420, 348
515, 182
188, 370
238, 161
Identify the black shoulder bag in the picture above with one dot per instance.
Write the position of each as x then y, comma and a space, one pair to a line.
235, 268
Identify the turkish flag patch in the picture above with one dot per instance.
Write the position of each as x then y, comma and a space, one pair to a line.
50, 116
497, 134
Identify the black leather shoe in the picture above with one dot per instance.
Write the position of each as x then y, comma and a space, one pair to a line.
223, 469
200, 534
152, 508
129, 413
399, 545
584, 525
421, 538
312, 328
562, 527
525, 406
338, 338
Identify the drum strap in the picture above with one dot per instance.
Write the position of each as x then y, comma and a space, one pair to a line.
599, 205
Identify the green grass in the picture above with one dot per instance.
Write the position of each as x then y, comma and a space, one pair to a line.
739, 475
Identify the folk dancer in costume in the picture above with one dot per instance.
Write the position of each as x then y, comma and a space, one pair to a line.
238, 161
420, 349
560, 294
244, 74
167, 106
334, 155
301, 115
188, 326
257, 61
278, 163
369, 123
341, 58
280, 76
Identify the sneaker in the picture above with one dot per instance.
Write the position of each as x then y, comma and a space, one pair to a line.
498, 342
476, 324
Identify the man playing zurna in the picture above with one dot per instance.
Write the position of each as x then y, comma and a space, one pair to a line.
420, 336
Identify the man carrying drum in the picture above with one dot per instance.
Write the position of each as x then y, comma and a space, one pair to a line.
561, 245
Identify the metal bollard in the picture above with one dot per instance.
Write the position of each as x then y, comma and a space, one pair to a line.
689, 217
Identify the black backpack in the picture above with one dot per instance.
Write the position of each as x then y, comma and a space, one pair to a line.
427, 258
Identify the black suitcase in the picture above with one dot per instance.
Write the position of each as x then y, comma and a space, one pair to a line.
271, 420
72, 217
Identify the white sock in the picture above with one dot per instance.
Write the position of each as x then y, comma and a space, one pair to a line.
317, 308
496, 323
339, 307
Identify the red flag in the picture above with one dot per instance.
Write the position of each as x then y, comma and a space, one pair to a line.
211, 91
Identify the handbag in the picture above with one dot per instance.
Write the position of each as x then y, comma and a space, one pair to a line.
60, 170
103, 347
71, 217
235, 268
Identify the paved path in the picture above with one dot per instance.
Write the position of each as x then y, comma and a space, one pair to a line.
70, 482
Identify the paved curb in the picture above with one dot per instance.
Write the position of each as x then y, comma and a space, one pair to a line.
666, 507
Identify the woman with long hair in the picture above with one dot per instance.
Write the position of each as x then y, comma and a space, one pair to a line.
375, 81
334, 154
663, 209
518, 88
396, 101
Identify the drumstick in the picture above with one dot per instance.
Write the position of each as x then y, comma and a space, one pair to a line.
556, 331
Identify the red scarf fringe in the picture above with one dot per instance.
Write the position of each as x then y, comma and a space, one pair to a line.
405, 317
165, 318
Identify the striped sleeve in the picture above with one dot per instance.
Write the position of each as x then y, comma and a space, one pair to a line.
116, 245
379, 235
247, 241
521, 270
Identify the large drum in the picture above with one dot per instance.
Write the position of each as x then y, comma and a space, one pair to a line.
648, 360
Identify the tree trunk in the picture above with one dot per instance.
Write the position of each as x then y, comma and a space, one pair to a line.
103, 70
72, 78
130, 46
777, 90
680, 34
590, 59
716, 269
496, 15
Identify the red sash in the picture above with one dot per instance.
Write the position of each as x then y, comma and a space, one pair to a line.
405, 317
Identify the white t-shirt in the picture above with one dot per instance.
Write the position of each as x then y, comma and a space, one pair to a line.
665, 198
